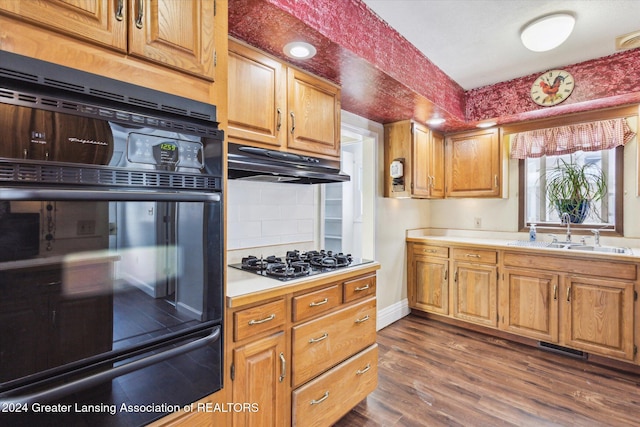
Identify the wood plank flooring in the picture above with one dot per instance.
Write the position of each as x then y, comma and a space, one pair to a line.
434, 374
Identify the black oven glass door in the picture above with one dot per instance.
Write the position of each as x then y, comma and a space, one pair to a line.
109, 298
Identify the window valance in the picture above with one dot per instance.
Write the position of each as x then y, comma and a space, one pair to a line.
592, 136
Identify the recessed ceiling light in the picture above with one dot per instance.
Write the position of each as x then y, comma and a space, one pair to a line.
547, 32
299, 50
486, 124
436, 121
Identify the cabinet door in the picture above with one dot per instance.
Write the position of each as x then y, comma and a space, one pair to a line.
529, 304
178, 34
429, 284
260, 378
257, 90
598, 316
436, 166
475, 293
314, 114
421, 157
101, 21
473, 164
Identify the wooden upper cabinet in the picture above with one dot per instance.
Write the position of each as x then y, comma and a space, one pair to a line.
422, 153
177, 34
257, 88
436, 166
473, 164
100, 21
313, 115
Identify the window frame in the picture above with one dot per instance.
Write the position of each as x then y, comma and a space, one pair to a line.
589, 116
553, 227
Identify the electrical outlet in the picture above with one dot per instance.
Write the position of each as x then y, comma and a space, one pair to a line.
477, 222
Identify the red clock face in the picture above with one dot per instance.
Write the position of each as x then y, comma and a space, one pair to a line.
552, 87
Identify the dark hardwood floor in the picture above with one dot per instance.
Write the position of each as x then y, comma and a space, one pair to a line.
434, 374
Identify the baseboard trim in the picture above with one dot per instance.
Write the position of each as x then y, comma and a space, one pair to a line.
392, 313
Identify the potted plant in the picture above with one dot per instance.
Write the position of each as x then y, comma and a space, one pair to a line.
572, 188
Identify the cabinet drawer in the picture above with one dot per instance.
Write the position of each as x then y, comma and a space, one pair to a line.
359, 288
324, 342
252, 321
312, 303
475, 255
326, 399
436, 251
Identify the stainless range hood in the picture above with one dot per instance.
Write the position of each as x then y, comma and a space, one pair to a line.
259, 164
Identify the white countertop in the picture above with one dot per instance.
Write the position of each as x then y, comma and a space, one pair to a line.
241, 283
506, 240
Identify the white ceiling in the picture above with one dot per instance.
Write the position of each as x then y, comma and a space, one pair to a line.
477, 42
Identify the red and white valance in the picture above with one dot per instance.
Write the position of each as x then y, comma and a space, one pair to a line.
592, 136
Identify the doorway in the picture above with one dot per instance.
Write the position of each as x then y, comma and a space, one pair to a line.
349, 208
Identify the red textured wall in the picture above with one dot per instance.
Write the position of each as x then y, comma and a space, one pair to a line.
385, 79
599, 83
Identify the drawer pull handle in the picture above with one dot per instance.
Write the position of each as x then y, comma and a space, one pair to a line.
119, 8
140, 14
322, 338
322, 399
364, 370
283, 367
430, 251
279, 122
364, 288
555, 292
315, 304
472, 256
266, 319
363, 319
569, 294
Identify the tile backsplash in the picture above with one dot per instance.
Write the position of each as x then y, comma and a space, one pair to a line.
269, 214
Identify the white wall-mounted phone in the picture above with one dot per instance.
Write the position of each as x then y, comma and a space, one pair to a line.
397, 169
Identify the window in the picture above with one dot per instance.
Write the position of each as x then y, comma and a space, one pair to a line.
593, 139
604, 214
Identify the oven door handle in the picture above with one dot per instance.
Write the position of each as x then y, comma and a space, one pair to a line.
102, 377
117, 195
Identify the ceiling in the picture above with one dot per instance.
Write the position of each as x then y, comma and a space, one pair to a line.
400, 59
477, 42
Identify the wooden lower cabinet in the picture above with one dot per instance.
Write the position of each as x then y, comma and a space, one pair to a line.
327, 398
428, 277
598, 316
260, 373
475, 293
578, 302
314, 343
529, 304
323, 342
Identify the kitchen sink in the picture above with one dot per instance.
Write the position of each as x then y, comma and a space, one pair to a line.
608, 249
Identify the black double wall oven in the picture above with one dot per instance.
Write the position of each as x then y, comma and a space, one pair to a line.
111, 249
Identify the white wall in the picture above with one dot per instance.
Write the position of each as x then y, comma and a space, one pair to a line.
502, 214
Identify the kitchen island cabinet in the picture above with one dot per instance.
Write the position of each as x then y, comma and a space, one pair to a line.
304, 351
280, 107
179, 35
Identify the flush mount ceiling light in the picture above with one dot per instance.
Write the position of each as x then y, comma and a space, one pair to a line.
299, 50
485, 125
436, 121
547, 32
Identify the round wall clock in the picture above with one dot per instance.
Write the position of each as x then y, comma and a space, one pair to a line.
552, 87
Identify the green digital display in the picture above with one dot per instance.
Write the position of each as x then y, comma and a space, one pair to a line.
168, 147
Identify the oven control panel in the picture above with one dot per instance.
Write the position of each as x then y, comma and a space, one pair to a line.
166, 152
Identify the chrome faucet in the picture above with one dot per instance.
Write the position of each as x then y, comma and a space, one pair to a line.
596, 237
566, 219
